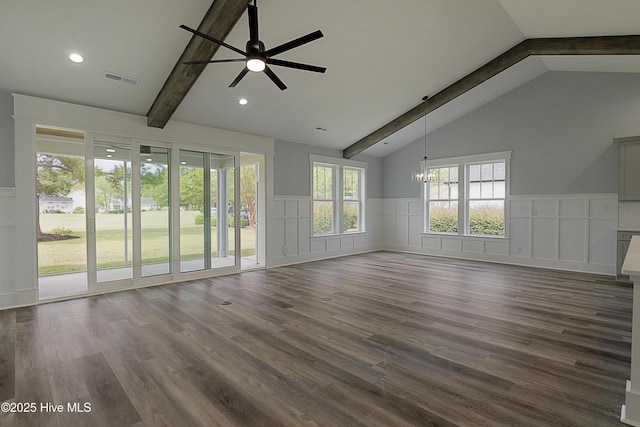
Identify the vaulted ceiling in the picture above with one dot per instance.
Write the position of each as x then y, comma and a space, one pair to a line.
381, 58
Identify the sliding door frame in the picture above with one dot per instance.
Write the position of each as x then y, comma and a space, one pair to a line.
174, 229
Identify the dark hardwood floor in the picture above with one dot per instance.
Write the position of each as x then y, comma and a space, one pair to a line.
381, 339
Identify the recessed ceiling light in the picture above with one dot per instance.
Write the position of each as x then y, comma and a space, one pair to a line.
110, 150
149, 159
243, 101
109, 156
76, 57
183, 162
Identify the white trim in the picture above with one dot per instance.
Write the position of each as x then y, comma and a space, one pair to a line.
586, 246
600, 269
292, 260
336, 161
338, 165
472, 158
291, 198
98, 123
7, 207
113, 123
463, 164
596, 196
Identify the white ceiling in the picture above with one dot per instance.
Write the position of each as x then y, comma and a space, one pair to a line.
382, 57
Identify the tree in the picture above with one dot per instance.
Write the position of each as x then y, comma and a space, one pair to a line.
110, 185
192, 188
154, 181
248, 191
55, 176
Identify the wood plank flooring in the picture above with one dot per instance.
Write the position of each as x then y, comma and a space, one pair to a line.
381, 339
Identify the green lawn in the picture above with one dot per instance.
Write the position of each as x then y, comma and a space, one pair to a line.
67, 256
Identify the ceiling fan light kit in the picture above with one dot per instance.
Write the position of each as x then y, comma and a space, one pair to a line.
256, 65
256, 57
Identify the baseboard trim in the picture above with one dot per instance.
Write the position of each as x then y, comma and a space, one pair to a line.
600, 269
284, 261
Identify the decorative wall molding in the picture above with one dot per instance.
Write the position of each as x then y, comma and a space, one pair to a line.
8, 235
290, 239
7, 207
574, 232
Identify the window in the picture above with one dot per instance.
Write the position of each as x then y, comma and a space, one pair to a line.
443, 200
485, 204
323, 199
351, 199
482, 195
338, 193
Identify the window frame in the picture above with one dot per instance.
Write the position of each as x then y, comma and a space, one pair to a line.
334, 213
427, 191
360, 200
339, 166
463, 163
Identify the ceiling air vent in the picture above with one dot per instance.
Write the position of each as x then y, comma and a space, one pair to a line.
120, 78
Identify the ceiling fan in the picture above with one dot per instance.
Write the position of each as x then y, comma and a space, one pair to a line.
256, 57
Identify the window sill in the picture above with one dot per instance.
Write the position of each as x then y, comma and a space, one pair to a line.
351, 233
466, 236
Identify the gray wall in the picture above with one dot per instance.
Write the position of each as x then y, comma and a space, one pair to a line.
7, 160
560, 127
292, 169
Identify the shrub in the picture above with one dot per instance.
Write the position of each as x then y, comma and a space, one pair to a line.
199, 220
62, 231
487, 220
443, 220
322, 218
78, 210
350, 218
243, 222
483, 220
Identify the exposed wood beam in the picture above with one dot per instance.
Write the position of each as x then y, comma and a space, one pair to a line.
218, 22
605, 45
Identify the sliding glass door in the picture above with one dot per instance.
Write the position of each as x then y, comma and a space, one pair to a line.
119, 212
60, 219
155, 210
207, 237
113, 211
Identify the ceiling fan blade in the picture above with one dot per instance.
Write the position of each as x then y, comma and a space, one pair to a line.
214, 61
296, 65
253, 23
240, 76
274, 78
208, 37
295, 43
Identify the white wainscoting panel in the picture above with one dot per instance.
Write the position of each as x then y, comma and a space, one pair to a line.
573, 208
572, 239
474, 245
451, 244
8, 238
498, 247
569, 231
544, 238
520, 236
290, 239
602, 242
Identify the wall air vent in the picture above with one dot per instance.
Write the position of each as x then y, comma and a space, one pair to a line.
120, 78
